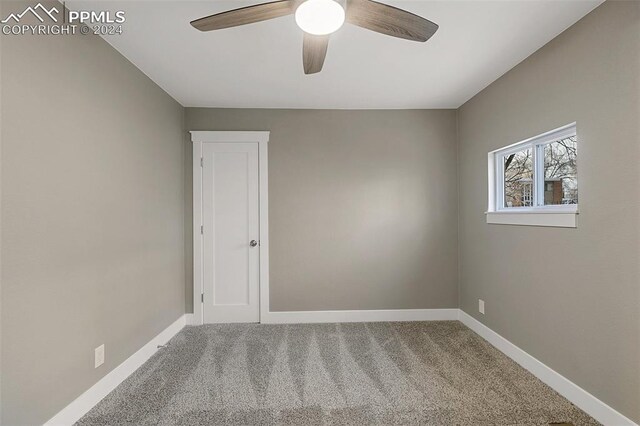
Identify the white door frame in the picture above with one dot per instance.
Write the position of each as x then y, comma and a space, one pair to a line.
262, 139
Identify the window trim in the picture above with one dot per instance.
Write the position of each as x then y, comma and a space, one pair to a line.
563, 215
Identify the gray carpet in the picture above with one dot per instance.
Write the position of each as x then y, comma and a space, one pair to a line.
427, 373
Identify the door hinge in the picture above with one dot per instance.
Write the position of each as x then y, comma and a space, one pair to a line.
201, 162
202, 229
202, 297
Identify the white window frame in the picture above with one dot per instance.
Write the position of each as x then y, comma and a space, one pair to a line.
538, 214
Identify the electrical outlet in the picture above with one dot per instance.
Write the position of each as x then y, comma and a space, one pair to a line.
99, 356
481, 306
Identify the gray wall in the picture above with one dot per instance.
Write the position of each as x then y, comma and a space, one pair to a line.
1, 375
92, 214
362, 205
569, 297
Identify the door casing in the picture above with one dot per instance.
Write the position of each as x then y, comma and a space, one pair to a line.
198, 138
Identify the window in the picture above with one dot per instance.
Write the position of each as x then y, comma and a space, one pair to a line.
517, 173
536, 176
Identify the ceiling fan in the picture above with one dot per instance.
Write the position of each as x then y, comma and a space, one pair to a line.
319, 18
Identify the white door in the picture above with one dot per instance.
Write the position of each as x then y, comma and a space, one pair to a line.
231, 250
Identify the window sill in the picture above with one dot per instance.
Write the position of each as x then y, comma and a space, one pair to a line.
538, 217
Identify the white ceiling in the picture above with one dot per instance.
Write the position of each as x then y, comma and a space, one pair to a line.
260, 65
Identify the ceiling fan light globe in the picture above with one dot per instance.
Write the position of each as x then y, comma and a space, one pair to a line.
320, 17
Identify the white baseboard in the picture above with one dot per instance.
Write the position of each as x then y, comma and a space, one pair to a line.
190, 319
565, 387
301, 317
85, 402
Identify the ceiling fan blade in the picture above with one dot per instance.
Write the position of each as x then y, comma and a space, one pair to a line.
245, 15
389, 20
314, 50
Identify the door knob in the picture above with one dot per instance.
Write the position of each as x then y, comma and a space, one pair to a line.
253, 243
